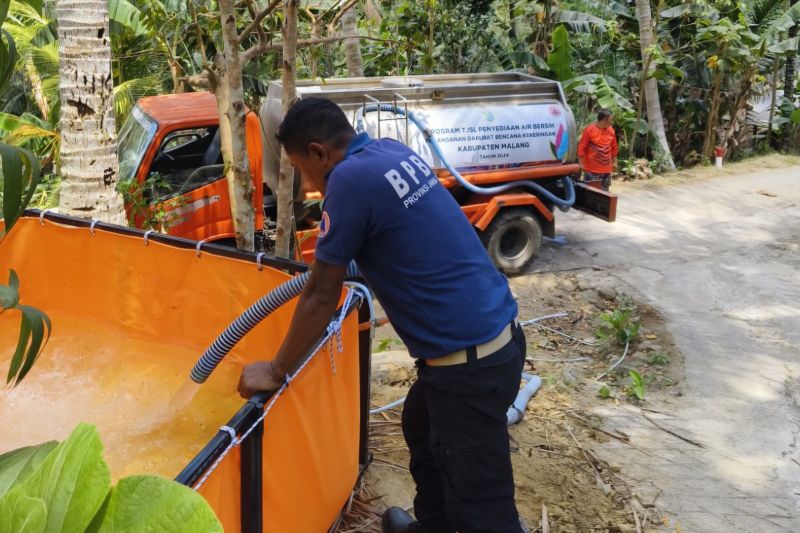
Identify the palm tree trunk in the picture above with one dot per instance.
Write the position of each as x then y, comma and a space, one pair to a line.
635, 133
773, 89
431, 33
89, 167
240, 181
286, 175
654, 116
313, 60
352, 47
789, 80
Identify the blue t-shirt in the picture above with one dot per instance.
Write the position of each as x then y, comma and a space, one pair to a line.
385, 208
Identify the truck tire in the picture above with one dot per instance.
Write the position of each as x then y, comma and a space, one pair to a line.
513, 240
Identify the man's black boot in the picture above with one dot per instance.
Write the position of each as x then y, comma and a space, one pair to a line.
396, 520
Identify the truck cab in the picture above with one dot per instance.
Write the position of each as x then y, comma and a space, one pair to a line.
170, 157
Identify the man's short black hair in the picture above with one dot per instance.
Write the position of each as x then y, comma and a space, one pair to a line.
317, 120
603, 114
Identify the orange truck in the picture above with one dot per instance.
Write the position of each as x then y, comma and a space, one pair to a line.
503, 143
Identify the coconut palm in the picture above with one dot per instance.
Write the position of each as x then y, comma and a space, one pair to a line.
88, 132
33, 122
654, 116
355, 66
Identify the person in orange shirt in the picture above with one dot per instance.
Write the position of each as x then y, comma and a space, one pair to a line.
597, 150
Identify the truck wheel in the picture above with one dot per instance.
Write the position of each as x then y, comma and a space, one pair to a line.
513, 239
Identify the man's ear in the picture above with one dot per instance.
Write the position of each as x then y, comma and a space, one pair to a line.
318, 151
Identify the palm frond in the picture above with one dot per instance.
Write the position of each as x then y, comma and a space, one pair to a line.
618, 8
501, 53
21, 128
23, 36
787, 45
127, 15
580, 22
25, 13
789, 18
14, 99
45, 34
29, 132
27, 28
44, 60
50, 90
46, 144
763, 12
689, 9
128, 92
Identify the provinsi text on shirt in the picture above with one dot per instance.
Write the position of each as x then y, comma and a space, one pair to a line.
401, 185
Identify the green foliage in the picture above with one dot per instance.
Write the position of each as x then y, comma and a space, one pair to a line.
659, 358
66, 488
385, 345
638, 388
604, 392
560, 57
35, 125
18, 464
618, 326
29, 131
8, 49
34, 333
27, 514
127, 14
162, 504
47, 192
8, 55
158, 216
127, 93
71, 483
20, 170
20, 177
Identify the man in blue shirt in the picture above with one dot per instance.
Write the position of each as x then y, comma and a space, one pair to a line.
385, 209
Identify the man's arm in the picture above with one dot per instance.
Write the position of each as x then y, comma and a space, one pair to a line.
313, 313
614, 149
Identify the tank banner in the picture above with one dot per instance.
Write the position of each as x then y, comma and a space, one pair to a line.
489, 136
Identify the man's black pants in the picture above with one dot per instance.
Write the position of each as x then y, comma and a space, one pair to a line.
604, 179
454, 422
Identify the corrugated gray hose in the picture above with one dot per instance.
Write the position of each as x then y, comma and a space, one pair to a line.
257, 312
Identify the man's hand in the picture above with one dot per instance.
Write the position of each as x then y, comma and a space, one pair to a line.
311, 316
259, 377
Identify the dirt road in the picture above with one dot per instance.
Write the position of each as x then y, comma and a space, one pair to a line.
720, 258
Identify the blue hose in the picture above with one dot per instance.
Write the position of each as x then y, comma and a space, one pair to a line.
563, 203
257, 312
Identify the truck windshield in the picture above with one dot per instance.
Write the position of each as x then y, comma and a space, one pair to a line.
134, 138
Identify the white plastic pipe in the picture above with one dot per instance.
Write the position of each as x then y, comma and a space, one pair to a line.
396, 403
517, 409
